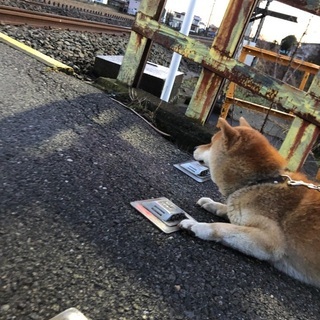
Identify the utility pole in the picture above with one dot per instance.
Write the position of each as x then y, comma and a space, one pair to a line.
211, 12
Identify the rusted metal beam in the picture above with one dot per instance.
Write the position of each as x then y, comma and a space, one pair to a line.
232, 28
305, 105
259, 108
138, 47
312, 6
300, 65
281, 59
301, 136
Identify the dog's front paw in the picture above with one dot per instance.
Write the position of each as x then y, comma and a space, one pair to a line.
214, 207
187, 224
199, 229
203, 201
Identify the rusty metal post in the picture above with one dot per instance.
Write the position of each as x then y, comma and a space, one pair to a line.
298, 143
304, 80
138, 47
229, 36
229, 98
231, 90
301, 136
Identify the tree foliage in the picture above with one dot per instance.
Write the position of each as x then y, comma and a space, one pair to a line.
287, 44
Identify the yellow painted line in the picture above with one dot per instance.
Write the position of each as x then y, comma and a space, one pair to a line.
36, 54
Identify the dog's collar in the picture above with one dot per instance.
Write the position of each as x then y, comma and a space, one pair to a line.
285, 178
274, 180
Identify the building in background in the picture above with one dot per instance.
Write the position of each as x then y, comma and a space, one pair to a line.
177, 18
101, 1
119, 5
133, 6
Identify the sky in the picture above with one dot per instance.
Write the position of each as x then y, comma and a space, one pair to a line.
273, 28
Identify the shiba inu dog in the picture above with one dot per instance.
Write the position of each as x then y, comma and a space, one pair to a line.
273, 214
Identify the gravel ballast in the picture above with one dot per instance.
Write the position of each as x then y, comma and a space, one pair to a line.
79, 49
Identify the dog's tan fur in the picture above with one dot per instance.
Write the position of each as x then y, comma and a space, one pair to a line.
270, 221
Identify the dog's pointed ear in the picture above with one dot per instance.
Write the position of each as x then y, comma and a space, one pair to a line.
243, 122
230, 135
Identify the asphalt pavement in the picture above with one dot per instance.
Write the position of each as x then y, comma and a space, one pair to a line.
71, 162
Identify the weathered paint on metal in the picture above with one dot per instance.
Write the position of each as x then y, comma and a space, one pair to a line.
226, 41
219, 65
306, 105
132, 58
228, 101
307, 67
314, 89
302, 134
233, 25
304, 80
170, 38
230, 91
205, 94
298, 143
314, 94
138, 46
312, 6
225, 108
152, 8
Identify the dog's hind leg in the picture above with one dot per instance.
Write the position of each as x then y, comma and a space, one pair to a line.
264, 244
214, 207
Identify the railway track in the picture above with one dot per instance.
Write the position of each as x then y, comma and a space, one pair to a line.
87, 8
17, 16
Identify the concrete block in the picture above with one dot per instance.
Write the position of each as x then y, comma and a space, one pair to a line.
153, 78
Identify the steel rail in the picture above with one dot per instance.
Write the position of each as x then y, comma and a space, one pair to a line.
17, 16
86, 8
